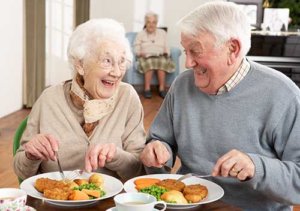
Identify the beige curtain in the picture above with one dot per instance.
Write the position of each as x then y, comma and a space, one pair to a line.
34, 71
82, 11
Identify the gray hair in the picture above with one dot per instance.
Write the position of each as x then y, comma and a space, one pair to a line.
224, 20
151, 14
87, 36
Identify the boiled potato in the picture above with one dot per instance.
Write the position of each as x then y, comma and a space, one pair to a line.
97, 179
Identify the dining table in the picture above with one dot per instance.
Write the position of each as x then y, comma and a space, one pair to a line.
102, 205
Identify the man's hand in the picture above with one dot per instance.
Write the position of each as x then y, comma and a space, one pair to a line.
155, 154
235, 164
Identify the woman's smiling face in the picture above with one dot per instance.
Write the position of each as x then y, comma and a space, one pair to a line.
104, 69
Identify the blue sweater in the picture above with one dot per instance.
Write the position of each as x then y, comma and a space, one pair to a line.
260, 116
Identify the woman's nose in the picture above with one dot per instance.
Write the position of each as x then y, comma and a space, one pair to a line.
116, 71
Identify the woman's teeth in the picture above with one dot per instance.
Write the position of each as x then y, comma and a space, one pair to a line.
108, 82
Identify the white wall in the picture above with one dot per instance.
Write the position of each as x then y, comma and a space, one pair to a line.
129, 13
11, 56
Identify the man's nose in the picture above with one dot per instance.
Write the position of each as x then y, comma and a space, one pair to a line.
189, 61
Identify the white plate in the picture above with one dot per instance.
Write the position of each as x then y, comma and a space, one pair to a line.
112, 186
215, 192
115, 209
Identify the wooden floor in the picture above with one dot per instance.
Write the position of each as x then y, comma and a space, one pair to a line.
9, 124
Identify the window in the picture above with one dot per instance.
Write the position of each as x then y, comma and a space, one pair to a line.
59, 26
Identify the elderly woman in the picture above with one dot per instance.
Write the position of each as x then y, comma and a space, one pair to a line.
93, 122
153, 54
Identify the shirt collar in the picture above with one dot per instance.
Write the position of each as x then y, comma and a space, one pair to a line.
236, 78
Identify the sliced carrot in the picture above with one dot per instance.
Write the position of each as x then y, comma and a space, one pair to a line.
78, 195
146, 181
94, 193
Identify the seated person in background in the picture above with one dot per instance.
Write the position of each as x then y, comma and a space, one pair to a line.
229, 117
153, 54
95, 121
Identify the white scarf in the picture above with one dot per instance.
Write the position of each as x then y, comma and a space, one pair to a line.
94, 110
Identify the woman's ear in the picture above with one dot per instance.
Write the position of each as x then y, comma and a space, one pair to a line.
234, 49
78, 65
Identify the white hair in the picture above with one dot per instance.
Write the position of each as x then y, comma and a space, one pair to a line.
87, 36
151, 14
224, 20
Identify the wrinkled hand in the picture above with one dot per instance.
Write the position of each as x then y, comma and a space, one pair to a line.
41, 147
142, 55
98, 155
235, 164
155, 154
166, 55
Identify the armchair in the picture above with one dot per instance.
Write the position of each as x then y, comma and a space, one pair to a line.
133, 77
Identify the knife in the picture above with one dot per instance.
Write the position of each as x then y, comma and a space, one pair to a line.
59, 166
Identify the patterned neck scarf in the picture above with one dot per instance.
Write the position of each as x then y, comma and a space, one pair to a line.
93, 109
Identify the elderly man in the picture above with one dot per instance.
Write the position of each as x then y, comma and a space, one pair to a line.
233, 118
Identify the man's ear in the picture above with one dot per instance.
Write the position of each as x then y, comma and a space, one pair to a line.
234, 49
78, 65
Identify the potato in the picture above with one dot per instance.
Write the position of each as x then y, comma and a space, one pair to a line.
81, 181
73, 185
96, 179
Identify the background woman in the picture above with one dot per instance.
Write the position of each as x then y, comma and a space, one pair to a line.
153, 54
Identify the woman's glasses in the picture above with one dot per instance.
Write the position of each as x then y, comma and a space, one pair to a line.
108, 63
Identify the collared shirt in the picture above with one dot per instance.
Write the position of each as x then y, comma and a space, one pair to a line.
236, 78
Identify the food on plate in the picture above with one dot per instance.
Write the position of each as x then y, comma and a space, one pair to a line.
154, 190
78, 195
172, 184
145, 182
195, 193
45, 183
172, 190
94, 193
97, 179
174, 196
81, 181
78, 189
57, 193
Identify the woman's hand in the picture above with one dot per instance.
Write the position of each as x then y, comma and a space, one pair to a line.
41, 147
155, 154
235, 164
98, 155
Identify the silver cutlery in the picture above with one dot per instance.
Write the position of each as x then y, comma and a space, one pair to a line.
59, 166
193, 175
167, 168
75, 174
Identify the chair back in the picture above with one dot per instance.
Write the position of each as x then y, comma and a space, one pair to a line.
18, 135
17, 138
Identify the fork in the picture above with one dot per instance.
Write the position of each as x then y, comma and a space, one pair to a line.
193, 174
74, 174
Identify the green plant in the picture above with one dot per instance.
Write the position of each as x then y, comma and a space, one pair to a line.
294, 6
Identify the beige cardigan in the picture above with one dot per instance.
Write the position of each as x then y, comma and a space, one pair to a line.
54, 113
151, 45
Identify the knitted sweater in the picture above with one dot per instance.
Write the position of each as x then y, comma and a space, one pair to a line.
157, 45
54, 113
260, 117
